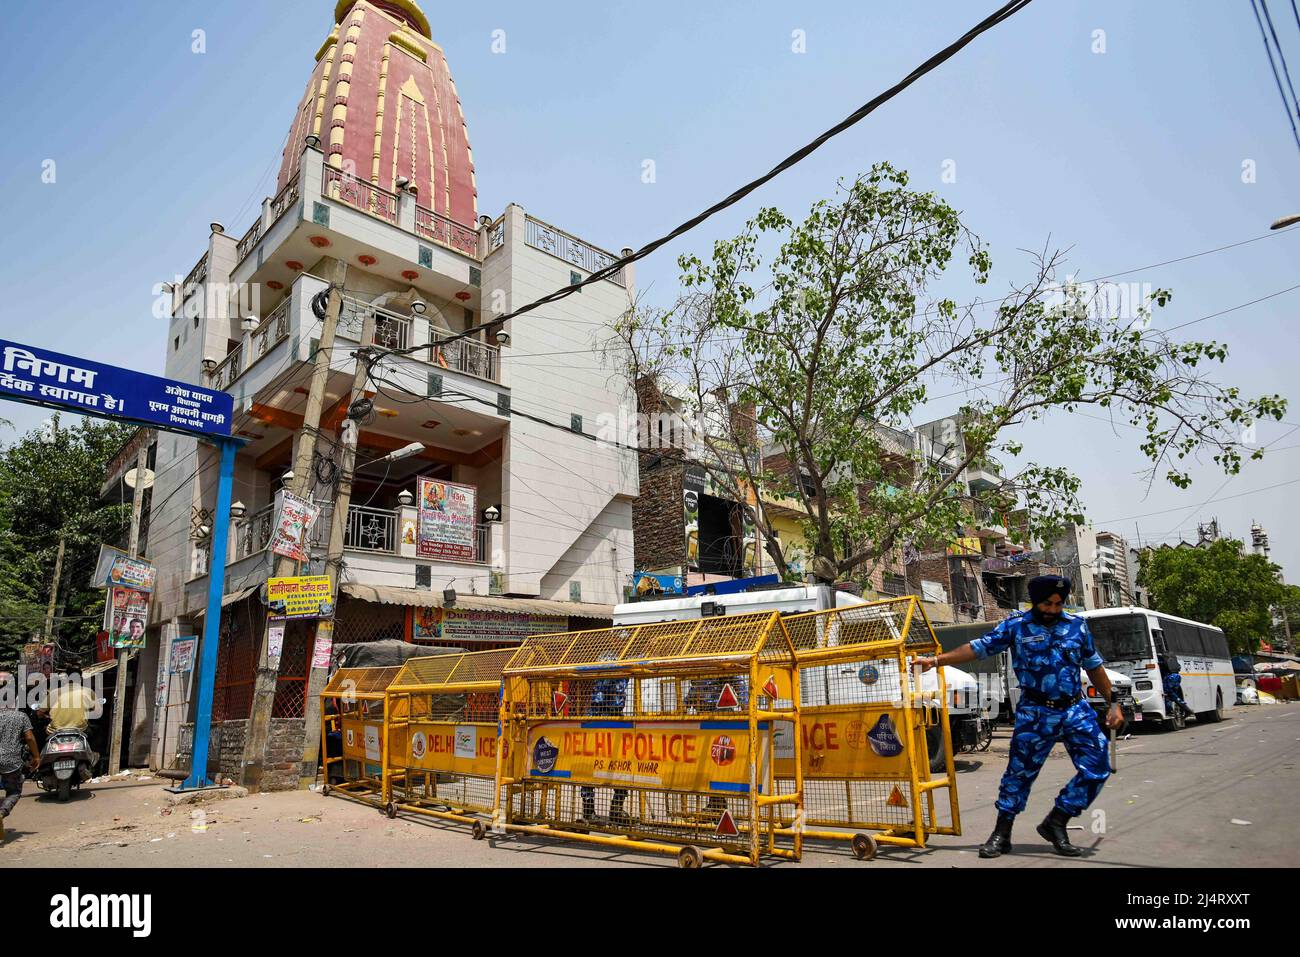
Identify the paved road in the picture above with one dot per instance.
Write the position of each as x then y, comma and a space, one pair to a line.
1171, 804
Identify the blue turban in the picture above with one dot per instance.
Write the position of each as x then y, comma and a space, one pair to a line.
1044, 586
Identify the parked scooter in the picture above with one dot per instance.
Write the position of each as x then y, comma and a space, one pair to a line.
66, 761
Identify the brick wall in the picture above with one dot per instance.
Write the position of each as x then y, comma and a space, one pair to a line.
225, 746
283, 763
658, 529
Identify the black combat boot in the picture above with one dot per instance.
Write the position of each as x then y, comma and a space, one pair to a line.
1053, 831
999, 841
616, 813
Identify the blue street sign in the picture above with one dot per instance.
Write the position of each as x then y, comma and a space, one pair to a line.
39, 376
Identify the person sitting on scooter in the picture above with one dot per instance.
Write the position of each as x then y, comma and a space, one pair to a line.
70, 704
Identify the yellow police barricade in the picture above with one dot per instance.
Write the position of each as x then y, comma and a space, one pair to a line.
440, 742
652, 737
352, 704
860, 755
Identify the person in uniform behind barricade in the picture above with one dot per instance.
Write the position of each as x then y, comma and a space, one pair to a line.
1048, 647
603, 698
704, 695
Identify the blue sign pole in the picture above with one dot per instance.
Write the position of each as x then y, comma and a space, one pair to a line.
212, 621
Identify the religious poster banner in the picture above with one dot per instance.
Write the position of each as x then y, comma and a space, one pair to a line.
301, 596
456, 624
293, 526
125, 614
447, 520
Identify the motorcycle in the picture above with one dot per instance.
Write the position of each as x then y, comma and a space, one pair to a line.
66, 762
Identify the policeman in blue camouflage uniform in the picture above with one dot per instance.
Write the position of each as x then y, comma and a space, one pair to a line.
1048, 647
608, 698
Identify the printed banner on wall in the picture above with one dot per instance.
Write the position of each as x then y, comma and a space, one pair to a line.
183, 655
126, 613
303, 596
455, 624
447, 520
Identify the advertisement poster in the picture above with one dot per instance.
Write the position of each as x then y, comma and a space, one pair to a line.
455, 624
672, 755
126, 613
693, 481
447, 520
292, 528
303, 596
274, 642
324, 646
132, 573
183, 655
857, 743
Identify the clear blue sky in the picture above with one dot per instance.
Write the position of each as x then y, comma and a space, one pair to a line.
1130, 157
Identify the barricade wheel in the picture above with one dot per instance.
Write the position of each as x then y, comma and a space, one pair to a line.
864, 847
688, 858
325, 790
390, 809
478, 831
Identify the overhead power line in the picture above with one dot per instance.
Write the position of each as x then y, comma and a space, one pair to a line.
1006, 11
1286, 106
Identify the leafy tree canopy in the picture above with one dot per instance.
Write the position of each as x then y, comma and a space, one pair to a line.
1218, 585
49, 483
822, 354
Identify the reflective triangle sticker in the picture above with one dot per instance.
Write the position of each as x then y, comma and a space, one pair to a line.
727, 826
896, 798
558, 700
770, 688
728, 699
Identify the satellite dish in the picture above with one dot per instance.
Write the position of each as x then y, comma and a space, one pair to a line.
129, 478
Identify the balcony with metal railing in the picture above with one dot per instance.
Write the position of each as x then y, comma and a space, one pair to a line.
357, 193
445, 231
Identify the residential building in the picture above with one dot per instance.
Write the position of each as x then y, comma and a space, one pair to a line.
377, 186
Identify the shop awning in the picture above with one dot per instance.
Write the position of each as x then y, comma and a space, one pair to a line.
423, 598
230, 599
100, 667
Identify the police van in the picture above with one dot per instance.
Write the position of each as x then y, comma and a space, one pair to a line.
968, 705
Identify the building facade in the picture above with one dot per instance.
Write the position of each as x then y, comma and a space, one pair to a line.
376, 197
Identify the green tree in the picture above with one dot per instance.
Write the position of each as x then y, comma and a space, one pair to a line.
1218, 585
49, 485
815, 344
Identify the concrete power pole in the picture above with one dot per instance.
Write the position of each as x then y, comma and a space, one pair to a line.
133, 549
54, 589
334, 554
259, 726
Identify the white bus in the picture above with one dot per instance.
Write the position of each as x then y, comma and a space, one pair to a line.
1131, 640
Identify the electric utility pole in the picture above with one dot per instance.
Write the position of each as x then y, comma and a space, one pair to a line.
54, 590
259, 725
123, 654
334, 553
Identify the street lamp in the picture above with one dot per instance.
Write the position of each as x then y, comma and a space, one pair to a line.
405, 496
237, 510
491, 513
1286, 221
